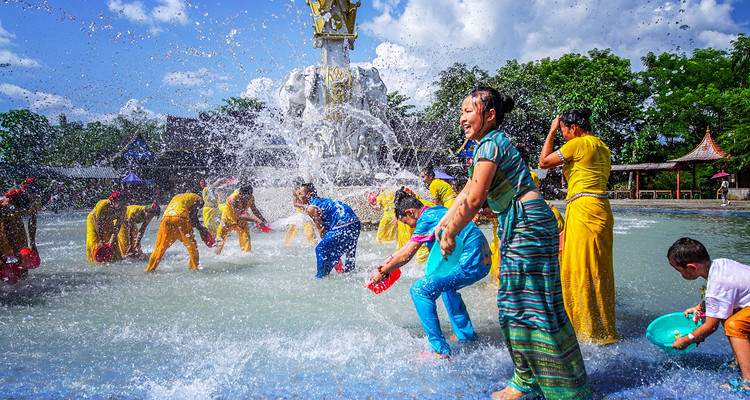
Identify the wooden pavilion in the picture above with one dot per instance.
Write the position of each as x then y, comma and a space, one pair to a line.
706, 151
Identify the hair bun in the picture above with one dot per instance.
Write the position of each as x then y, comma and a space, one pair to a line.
585, 112
508, 104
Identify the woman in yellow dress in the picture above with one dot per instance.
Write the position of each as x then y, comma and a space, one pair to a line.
211, 201
234, 217
129, 238
441, 191
298, 207
586, 269
101, 227
387, 228
180, 218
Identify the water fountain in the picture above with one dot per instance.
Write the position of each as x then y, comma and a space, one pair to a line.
337, 112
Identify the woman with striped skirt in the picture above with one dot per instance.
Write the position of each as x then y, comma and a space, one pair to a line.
537, 331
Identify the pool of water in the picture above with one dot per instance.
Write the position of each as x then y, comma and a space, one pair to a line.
258, 325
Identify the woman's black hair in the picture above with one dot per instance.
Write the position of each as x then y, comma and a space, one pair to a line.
404, 201
685, 251
310, 189
246, 189
578, 116
429, 171
20, 200
491, 99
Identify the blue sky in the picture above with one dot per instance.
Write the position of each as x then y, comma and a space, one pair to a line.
92, 60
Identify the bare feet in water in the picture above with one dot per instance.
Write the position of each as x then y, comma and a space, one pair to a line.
509, 393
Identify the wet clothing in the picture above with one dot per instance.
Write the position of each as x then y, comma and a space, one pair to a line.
175, 225
103, 214
211, 213
387, 228
231, 222
126, 238
531, 311
442, 190
586, 265
405, 231
307, 226
342, 233
469, 269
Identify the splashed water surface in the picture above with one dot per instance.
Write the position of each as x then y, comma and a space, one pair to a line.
259, 325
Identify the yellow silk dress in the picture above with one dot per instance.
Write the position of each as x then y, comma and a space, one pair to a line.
308, 226
211, 213
175, 225
586, 268
230, 222
442, 190
15, 229
126, 237
105, 215
387, 229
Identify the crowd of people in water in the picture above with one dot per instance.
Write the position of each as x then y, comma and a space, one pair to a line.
554, 274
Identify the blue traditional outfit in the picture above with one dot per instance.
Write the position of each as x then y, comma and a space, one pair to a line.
342, 226
468, 270
537, 331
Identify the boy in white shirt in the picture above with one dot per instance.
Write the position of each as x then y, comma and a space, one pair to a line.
727, 300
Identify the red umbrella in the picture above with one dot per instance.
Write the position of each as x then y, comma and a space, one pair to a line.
720, 175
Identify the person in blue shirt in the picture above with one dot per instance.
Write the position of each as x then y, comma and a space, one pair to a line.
339, 230
473, 265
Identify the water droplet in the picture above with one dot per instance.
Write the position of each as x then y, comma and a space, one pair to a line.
685, 27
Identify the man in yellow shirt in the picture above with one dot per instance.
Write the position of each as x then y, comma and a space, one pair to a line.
180, 218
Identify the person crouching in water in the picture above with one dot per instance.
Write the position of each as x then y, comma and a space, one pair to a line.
130, 234
103, 224
473, 265
339, 230
180, 218
234, 217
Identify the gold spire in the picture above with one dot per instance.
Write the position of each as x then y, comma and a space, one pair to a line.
334, 23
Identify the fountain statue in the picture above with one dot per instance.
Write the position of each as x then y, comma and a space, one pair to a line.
338, 112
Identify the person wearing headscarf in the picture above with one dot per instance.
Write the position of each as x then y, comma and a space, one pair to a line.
103, 224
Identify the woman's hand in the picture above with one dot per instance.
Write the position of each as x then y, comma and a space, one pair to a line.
555, 126
690, 311
447, 245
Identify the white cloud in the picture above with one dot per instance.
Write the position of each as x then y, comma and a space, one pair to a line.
489, 32
5, 36
43, 103
170, 11
7, 57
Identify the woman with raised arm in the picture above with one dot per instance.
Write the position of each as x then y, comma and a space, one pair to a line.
586, 267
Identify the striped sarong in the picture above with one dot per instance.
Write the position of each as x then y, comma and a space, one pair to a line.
537, 331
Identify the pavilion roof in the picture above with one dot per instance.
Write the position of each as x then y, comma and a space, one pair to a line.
644, 167
707, 150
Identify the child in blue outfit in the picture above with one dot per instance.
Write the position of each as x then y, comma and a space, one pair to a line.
473, 265
339, 230
726, 300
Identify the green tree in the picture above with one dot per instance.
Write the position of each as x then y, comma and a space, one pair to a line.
687, 96
453, 85
24, 137
741, 58
397, 107
603, 82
